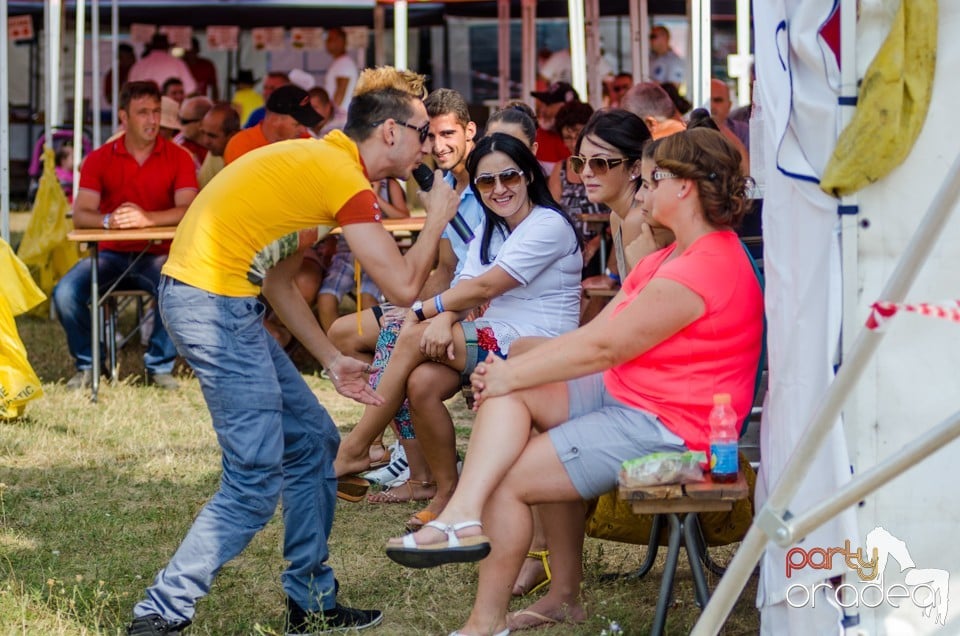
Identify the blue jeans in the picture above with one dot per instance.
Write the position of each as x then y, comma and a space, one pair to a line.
277, 441
71, 297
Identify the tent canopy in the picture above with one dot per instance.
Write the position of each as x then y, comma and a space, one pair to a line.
258, 13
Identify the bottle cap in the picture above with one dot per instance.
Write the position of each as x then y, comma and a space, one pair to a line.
721, 398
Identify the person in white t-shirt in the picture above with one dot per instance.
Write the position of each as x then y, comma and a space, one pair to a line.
523, 266
343, 72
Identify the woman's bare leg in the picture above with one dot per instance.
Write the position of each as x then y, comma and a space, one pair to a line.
353, 455
429, 385
532, 572
537, 476
563, 525
356, 343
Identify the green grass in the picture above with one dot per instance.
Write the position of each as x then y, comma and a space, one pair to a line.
94, 498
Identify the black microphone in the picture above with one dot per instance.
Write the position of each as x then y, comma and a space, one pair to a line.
424, 177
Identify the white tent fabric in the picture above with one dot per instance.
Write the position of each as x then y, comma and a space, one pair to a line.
797, 80
912, 382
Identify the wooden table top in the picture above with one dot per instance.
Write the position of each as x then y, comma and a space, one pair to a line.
95, 235
161, 233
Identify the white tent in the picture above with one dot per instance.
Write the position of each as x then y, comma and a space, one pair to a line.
903, 393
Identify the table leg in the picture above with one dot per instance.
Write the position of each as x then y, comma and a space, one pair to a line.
94, 323
669, 570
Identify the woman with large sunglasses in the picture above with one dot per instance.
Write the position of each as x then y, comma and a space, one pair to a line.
607, 160
524, 264
638, 379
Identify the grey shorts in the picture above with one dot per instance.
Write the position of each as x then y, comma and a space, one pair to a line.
602, 433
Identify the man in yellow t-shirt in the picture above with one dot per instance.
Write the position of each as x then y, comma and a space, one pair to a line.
277, 440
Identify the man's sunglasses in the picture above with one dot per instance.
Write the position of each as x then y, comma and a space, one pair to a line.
598, 165
509, 178
422, 131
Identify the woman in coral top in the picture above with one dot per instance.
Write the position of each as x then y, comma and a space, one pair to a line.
687, 323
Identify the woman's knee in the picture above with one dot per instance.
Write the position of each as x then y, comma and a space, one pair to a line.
431, 383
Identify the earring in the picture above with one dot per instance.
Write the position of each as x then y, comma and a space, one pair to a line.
679, 195
633, 177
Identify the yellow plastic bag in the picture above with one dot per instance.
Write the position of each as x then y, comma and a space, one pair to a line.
609, 517
18, 293
44, 247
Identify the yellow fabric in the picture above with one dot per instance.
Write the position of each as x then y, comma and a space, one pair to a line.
209, 168
44, 247
248, 100
892, 105
612, 518
247, 219
18, 293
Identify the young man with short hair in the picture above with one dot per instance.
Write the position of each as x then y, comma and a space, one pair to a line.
276, 439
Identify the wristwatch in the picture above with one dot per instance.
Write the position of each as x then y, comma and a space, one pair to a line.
417, 308
106, 221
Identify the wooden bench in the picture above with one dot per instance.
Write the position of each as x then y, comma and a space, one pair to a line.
680, 505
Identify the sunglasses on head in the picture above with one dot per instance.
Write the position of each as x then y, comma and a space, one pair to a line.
509, 178
598, 165
422, 131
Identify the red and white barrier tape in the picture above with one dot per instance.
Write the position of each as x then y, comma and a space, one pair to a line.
882, 311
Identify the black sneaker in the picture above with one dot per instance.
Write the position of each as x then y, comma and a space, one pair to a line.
154, 625
338, 619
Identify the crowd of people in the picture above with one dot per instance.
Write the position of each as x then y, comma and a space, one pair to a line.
565, 388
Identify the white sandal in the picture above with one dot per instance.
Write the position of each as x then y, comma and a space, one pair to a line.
453, 550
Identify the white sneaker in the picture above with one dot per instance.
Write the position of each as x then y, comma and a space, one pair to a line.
396, 471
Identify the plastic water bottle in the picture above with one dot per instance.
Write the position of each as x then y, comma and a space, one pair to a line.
724, 460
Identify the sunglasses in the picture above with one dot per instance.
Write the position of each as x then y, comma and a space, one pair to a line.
422, 131
509, 178
184, 122
598, 165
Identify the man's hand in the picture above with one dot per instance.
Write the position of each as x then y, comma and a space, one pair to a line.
349, 377
440, 200
129, 216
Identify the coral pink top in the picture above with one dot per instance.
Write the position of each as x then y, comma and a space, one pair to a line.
717, 353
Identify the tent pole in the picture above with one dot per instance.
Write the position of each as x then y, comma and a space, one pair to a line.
379, 28
769, 521
503, 51
96, 92
592, 32
640, 37
744, 57
4, 129
578, 58
528, 49
400, 34
79, 29
114, 62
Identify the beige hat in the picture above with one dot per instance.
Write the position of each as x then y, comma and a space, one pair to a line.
169, 113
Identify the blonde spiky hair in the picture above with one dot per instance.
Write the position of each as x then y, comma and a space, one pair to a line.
384, 77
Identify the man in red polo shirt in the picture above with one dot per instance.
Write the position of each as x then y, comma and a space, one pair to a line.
138, 180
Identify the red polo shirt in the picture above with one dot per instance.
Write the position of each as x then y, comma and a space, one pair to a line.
113, 173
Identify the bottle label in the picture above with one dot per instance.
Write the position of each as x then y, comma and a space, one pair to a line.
723, 458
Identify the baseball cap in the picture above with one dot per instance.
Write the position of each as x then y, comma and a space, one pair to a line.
557, 93
294, 101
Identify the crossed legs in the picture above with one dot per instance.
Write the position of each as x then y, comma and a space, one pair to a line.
505, 473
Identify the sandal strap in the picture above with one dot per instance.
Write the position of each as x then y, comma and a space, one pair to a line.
451, 530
